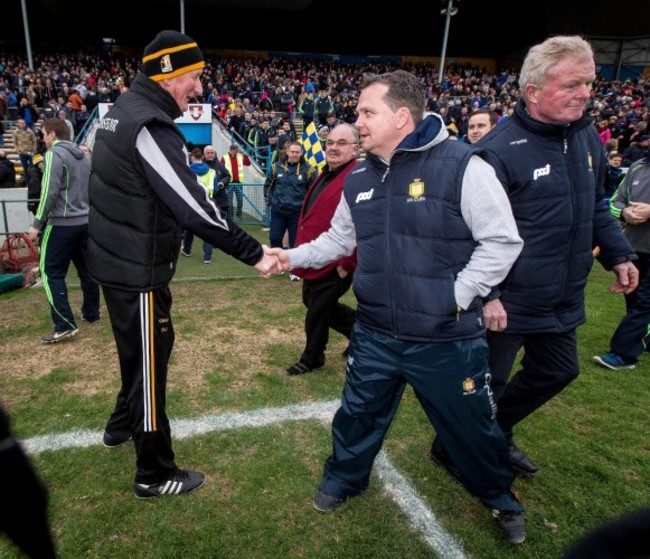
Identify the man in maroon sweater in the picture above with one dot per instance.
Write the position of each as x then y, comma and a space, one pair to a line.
322, 288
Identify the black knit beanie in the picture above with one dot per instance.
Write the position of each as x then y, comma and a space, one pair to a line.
171, 54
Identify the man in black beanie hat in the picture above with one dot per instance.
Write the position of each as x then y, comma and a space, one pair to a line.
142, 195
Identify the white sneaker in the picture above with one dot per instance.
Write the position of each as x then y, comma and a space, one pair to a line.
55, 337
294, 278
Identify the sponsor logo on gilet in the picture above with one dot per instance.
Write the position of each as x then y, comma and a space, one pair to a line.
542, 172
364, 196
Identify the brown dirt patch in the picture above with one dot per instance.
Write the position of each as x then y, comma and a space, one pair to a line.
228, 322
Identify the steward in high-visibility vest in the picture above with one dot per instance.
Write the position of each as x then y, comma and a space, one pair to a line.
235, 161
207, 180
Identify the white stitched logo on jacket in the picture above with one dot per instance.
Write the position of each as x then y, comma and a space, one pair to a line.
364, 196
542, 172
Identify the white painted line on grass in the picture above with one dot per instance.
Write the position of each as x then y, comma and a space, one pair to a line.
183, 428
419, 515
398, 487
322, 411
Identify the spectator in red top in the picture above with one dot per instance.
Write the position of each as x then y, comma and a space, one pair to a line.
235, 161
322, 288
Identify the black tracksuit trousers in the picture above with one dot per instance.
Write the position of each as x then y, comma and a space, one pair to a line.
548, 365
144, 335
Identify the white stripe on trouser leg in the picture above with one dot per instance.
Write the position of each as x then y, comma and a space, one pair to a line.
146, 362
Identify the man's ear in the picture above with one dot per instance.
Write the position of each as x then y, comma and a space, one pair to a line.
402, 117
531, 93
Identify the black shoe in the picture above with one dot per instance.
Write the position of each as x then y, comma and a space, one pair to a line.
111, 441
521, 464
512, 524
323, 502
302, 367
440, 457
183, 481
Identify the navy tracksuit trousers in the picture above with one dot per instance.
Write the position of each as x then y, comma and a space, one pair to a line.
281, 222
631, 336
61, 245
451, 382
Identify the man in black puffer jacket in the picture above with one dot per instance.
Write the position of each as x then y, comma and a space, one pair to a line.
142, 195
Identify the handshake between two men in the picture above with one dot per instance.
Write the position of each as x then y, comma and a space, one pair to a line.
274, 262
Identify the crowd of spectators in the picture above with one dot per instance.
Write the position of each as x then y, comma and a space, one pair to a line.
258, 98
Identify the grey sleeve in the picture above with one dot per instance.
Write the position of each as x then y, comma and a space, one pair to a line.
619, 200
486, 210
338, 241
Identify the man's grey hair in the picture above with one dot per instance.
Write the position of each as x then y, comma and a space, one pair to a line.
541, 58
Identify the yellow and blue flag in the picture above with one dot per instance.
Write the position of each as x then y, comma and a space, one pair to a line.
311, 145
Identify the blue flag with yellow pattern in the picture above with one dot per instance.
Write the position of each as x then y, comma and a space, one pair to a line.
311, 145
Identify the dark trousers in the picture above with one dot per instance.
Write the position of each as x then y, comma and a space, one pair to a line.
548, 365
60, 246
26, 164
188, 239
23, 509
236, 191
144, 335
324, 311
631, 337
280, 223
451, 382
